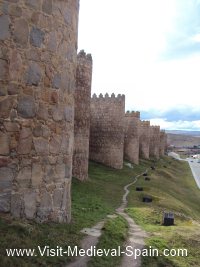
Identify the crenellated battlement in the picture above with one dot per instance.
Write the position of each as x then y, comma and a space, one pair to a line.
106, 97
135, 114
83, 55
162, 132
155, 128
145, 123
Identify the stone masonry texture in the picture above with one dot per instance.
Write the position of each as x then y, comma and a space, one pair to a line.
132, 134
144, 140
154, 146
82, 115
163, 143
38, 53
107, 130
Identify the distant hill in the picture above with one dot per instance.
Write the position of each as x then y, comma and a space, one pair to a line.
180, 140
180, 132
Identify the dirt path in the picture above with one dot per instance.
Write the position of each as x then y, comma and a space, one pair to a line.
135, 235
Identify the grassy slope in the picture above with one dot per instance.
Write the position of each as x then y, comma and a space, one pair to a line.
91, 201
173, 189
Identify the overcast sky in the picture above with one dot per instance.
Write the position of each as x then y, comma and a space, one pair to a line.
148, 50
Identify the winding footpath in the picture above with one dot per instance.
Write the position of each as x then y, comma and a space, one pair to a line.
135, 237
135, 234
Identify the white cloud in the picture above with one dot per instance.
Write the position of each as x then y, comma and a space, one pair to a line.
176, 125
126, 40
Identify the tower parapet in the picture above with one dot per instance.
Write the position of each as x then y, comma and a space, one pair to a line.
107, 98
135, 114
82, 115
107, 129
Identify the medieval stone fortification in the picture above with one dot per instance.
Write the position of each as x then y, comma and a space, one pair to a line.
38, 43
154, 147
42, 85
132, 134
82, 115
163, 142
144, 140
107, 130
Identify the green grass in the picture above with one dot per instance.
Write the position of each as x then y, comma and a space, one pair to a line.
91, 202
173, 189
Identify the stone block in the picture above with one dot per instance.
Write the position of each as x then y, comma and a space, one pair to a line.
15, 66
42, 112
4, 144
4, 29
24, 177
52, 44
6, 106
33, 74
15, 10
25, 141
5, 202
11, 126
57, 113
41, 145
50, 174
45, 209
3, 90
57, 198
37, 131
35, 4
60, 171
36, 37
30, 204
6, 178
3, 69
37, 174
55, 144
47, 6
16, 205
13, 89
26, 107
4, 161
21, 32
65, 144
56, 83
69, 114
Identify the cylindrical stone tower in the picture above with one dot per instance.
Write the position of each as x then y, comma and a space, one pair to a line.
144, 139
107, 130
82, 115
154, 146
163, 141
132, 133
38, 51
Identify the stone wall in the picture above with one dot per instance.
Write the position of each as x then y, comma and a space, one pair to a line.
107, 130
154, 146
82, 116
163, 141
132, 133
38, 43
144, 140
